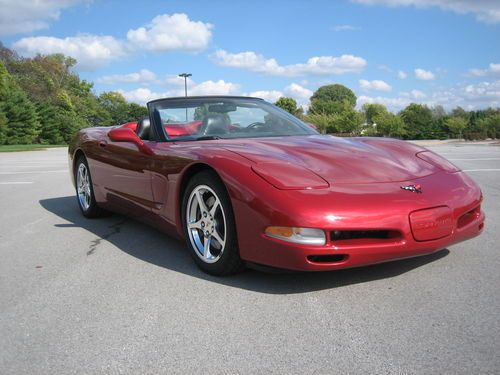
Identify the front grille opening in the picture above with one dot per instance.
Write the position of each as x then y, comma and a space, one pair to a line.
469, 217
330, 258
342, 235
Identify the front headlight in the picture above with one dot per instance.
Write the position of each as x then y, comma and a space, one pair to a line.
438, 161
304, 236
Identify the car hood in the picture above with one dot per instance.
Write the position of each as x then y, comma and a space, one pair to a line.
339, 160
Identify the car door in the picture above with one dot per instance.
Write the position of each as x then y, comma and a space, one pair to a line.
125, 176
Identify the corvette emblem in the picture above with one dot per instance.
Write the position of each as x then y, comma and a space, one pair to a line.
413, 188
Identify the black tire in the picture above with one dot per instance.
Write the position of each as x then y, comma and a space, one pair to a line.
88, 207
226, 260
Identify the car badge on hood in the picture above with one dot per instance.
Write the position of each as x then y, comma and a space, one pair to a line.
413, 188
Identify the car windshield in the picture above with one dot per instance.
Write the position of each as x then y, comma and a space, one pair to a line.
187, 119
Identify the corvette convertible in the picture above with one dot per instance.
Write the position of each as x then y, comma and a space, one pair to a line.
244, 182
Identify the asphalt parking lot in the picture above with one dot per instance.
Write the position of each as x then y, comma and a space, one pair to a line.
114, 296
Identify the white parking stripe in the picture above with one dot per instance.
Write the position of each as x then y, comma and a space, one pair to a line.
475, 159
16, 183
481, 170
34, 172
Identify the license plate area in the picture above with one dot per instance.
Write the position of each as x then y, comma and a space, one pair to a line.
431, 223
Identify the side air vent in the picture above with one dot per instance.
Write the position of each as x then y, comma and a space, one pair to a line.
330, 258
341, 235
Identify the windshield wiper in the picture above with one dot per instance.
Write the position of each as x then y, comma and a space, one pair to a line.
207, 138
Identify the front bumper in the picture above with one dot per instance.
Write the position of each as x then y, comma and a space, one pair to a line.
368, 207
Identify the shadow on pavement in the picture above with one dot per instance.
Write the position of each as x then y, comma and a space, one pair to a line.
150, 245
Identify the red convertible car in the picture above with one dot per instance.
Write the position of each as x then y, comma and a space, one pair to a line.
245, 182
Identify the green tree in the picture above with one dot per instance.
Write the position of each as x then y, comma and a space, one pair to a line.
456, 126
22, 119
288, 104
460, 112
137, 112
50, 132
419, 121
348, 120
372, 110
332, 99
323, 122
389, 124
438, 111
491, 123
3, 127
116, 106
19, 115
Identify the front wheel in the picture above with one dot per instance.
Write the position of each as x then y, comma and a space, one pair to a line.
209, 225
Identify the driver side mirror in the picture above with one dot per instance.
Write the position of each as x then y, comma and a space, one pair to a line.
128, 135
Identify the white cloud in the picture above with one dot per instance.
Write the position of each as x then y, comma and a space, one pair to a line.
414, 94
270, 96
492, 69
424, 75
171, 32
385, 68
25, 16
376, 84
345, 28
417, 94
470, 97
164, 33
219, 87
485, 10
322, 65
393, 104
298, 92
91, 51
142, 76
294, 91
175, 80
141, 95
402, 75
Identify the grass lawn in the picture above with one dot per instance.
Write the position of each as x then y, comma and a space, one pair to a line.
36, 147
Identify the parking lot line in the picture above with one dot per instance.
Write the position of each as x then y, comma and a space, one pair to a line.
34, 172
479, 159
481, 170
16, 183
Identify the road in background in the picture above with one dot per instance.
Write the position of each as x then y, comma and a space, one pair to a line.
114, 296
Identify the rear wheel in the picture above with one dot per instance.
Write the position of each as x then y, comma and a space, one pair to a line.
209, 225
85, 191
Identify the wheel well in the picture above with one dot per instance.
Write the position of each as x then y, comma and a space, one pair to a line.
77, 155
192, 170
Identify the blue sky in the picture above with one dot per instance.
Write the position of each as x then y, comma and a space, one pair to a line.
437, 52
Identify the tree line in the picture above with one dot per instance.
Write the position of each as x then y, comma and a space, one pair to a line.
42, 100
333, 111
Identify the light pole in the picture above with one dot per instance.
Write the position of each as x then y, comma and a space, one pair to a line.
185, 75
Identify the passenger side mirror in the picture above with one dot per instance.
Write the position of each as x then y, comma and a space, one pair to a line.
128, 135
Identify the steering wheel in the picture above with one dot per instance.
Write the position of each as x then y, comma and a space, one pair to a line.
256, 125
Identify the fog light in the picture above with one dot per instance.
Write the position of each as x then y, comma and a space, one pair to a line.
305, 236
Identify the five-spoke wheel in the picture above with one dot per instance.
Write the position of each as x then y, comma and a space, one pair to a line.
206, 223
209, 225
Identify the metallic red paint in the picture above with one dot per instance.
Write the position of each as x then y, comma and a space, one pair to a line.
361, 191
